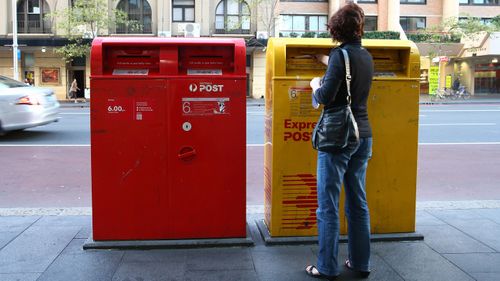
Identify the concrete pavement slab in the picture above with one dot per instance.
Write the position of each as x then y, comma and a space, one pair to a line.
64, 221
85, 232
484, 230
17, 223
485, 276
11, 227
447, 239
162, 256
425, 218
477, 262
74, 247
224, 275
282, 262
417, 261
77, 265
491, 214
35, 249
447, 215
219, 259
150, 271
19, 276
381, 270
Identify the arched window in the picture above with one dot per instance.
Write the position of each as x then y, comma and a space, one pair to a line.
138, 11
232, 16
31, 16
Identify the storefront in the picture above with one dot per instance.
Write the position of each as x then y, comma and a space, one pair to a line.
478, 65
487, 77
41, 66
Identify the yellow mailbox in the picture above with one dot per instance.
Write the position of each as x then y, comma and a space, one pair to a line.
290, 161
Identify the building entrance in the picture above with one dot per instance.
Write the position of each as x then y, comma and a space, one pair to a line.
79, 75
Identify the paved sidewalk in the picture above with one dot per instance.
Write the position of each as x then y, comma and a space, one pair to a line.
459, 245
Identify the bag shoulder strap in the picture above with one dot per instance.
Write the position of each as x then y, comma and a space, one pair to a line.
347, 74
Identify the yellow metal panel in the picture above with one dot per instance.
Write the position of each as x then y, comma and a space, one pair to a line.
290, 161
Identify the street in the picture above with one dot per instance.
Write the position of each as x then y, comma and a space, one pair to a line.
459, 158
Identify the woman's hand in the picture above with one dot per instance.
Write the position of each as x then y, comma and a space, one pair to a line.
322, 58
315, 83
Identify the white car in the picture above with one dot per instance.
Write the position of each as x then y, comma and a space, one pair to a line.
23, 106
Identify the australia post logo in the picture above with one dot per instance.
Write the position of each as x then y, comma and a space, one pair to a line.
205, 87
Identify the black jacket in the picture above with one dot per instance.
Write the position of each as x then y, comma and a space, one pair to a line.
333, 90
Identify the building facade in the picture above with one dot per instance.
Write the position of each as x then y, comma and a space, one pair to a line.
254, 20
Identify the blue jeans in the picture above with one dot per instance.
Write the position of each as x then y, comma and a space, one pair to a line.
350, 168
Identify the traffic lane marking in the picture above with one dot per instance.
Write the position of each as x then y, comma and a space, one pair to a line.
460, 110
459, 124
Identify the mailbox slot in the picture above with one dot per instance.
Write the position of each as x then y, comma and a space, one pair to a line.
302, 61
122, 60
390, 62
206, 60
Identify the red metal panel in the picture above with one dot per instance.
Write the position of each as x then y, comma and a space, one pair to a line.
210, 125
168, 143
128, 159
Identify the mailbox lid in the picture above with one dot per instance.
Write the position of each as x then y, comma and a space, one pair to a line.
139, 57
294, 57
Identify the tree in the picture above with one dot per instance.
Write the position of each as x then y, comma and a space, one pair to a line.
85, 20
471, 27
267, 14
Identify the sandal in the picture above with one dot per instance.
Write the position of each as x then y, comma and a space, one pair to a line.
363, 274
312, 271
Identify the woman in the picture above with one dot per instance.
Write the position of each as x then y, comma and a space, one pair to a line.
347, 166
73, 90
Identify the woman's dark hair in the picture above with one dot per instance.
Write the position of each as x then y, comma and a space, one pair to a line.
347, 23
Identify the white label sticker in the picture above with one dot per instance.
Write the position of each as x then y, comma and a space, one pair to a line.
205, 106
204, 71
130, 71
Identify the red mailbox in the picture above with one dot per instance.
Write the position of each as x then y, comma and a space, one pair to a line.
168, 138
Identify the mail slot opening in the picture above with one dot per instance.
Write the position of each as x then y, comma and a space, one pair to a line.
131, 60
206, 60
390, 62
301, 60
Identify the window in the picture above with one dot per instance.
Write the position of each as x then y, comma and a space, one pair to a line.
232, 16
412, 23
480, 2
485, 21
422, 2
31, 16
295, 25
183, 11
486, 77
138, 11
367, 1
370, 23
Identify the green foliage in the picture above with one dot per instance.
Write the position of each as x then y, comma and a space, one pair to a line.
324, 35
293, 34
470, 27
430, 37
381, 35
309, 34
496, 22
75, 49
87, 19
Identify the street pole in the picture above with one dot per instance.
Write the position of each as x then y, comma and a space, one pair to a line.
14, 40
